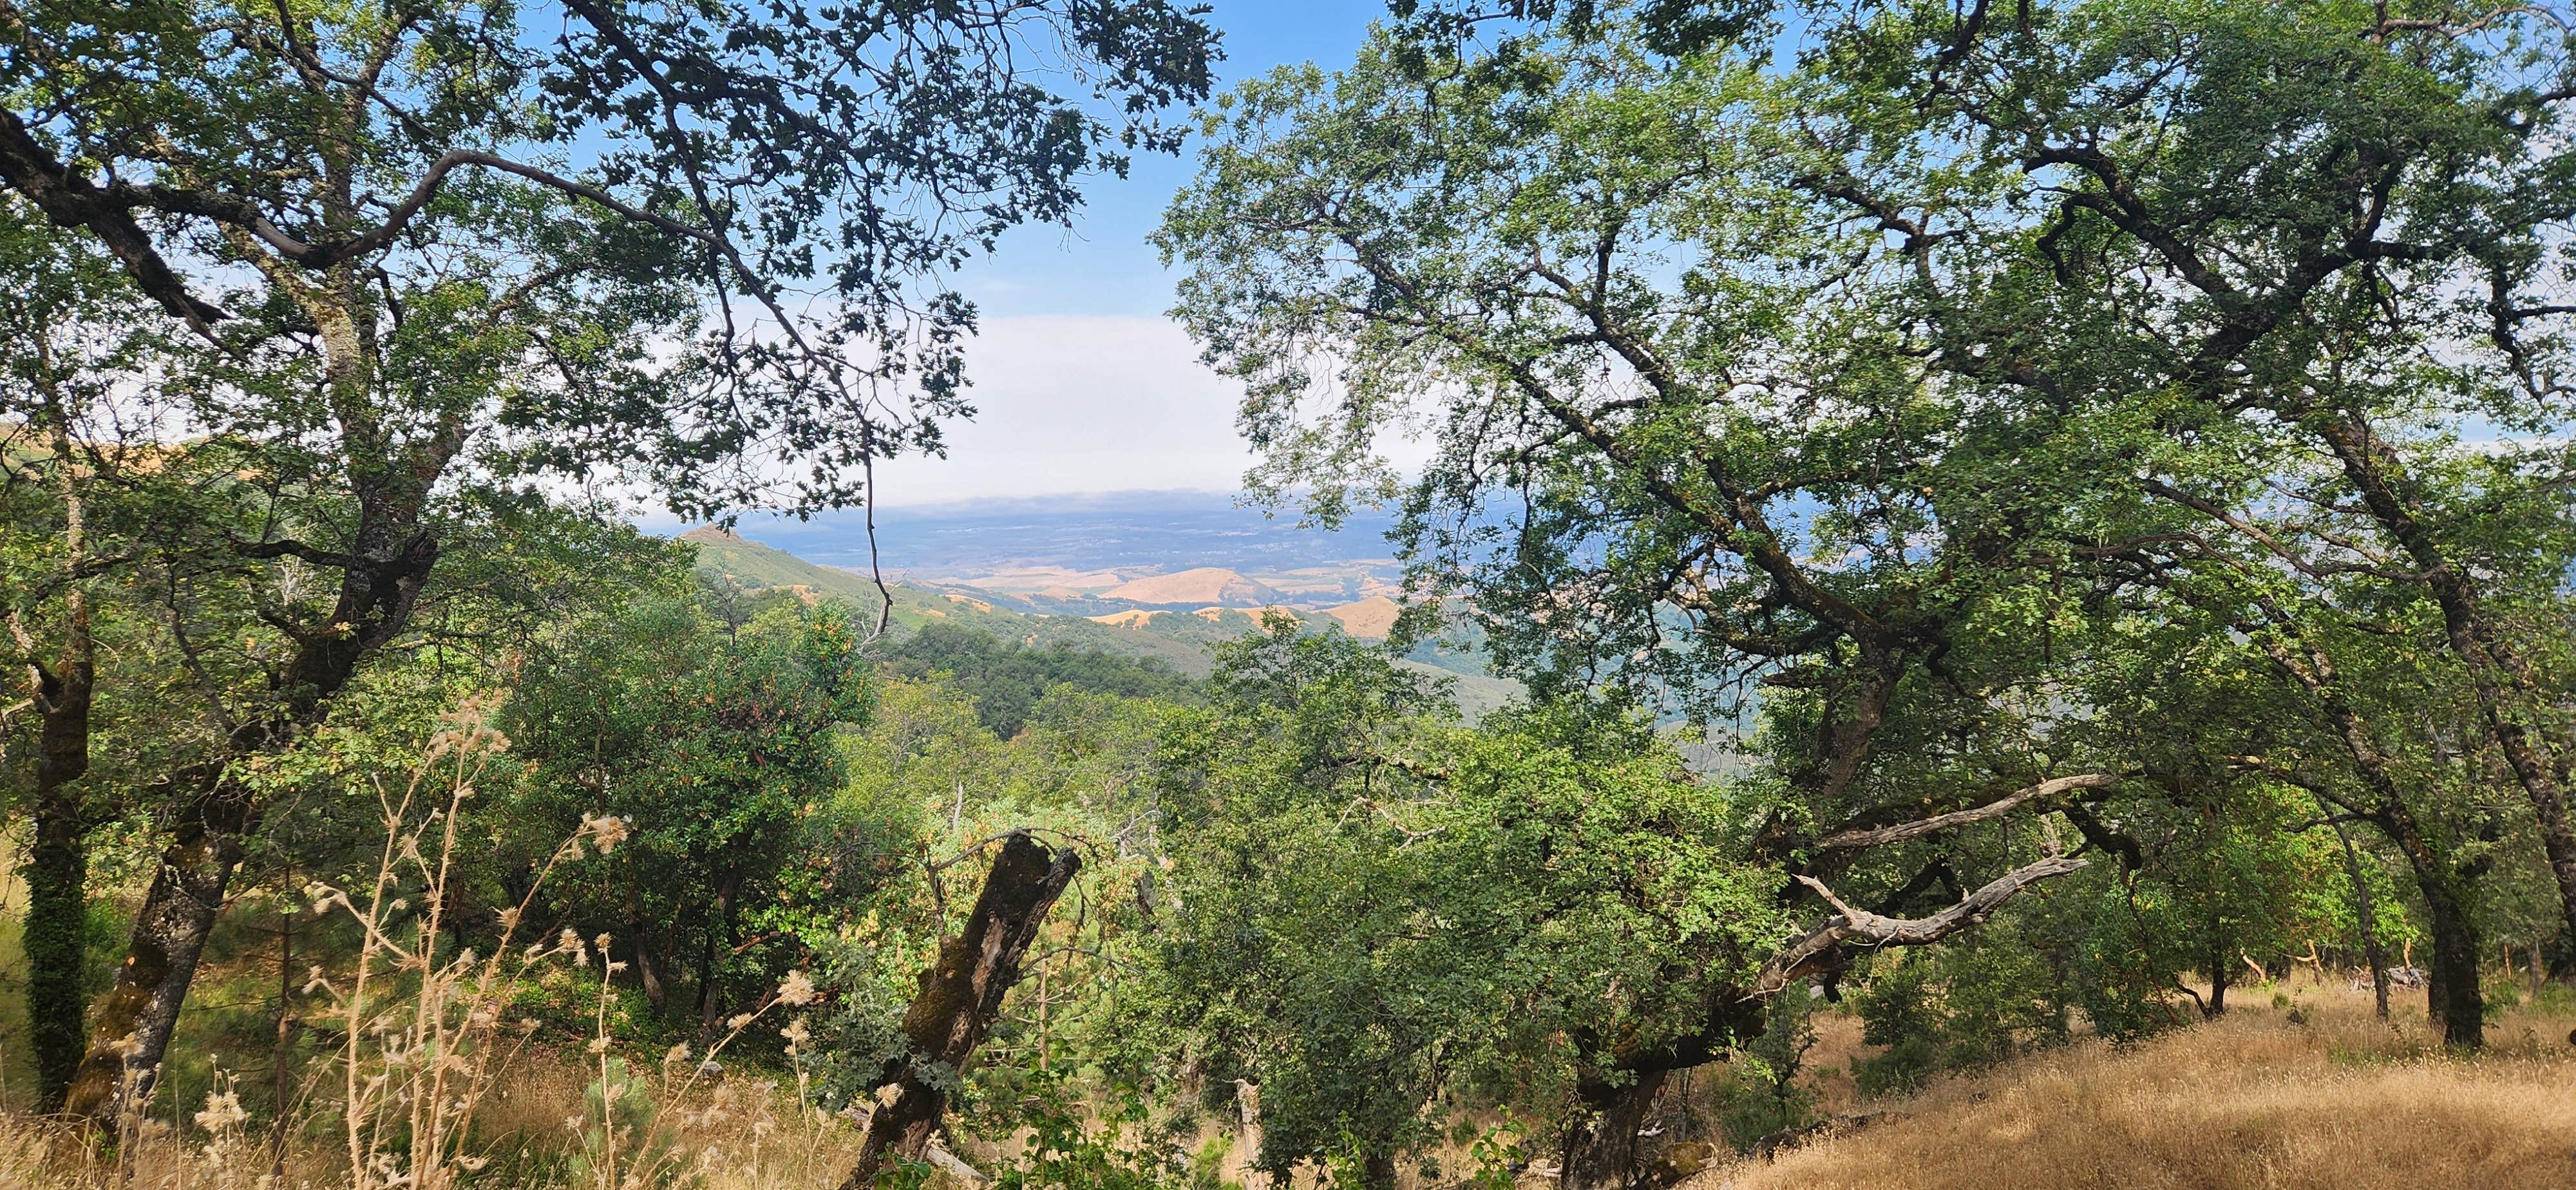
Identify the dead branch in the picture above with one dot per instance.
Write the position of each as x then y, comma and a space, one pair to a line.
1940, 822
1870, 929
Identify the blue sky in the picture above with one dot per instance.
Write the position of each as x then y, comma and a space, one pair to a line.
1084, 386
1104, 265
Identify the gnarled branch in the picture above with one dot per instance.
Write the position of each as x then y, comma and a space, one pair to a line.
1870, 929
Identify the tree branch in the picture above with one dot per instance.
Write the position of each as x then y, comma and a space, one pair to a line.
71, 200
1940, 822
1849, 925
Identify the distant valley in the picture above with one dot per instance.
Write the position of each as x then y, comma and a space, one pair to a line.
1163, 575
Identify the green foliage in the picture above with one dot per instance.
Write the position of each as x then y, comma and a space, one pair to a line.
1073, 1138
710, 199
858, 1030
897, 849
1974, 1001
2161, 390
717, 744
1382, 918
1757, 1094
566, 1002
1006, 679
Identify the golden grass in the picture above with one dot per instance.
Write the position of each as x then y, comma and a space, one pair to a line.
2249, 1101
742, 1134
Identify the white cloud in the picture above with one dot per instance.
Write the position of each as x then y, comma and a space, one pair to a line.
1080, 403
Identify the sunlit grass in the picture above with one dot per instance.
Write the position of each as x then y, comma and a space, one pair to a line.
2251, 1100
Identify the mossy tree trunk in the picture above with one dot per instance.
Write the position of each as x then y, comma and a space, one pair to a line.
960, 997
57, 872
55, 938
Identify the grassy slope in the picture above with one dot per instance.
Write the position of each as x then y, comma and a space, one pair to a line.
1181, 640
2252, 1100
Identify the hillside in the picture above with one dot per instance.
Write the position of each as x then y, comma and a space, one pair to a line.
1369, 619
2329, 1099
722, 552
1203, 585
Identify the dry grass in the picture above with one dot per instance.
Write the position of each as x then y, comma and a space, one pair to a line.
2250, 1101
741, 1134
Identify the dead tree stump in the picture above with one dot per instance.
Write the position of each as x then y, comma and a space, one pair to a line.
960, 997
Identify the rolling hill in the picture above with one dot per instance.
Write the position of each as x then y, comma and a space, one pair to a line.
1203, 585
1369, 619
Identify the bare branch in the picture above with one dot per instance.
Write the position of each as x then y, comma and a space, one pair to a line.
1940, 822
1871, 929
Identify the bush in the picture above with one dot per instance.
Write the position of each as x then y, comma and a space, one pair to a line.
1905, 1066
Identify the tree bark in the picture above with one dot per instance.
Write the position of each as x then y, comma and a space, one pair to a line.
131, 1027
57, 874
2451, 992
960, 997
55, 936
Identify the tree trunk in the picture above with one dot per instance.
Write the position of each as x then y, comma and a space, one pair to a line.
2216, 1006
55, 937
1600, 1150
719, 933
2451, 992
2365, 912
641, 947
131, 1027
2442, 881
2499, 674
960, 997
57, 875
